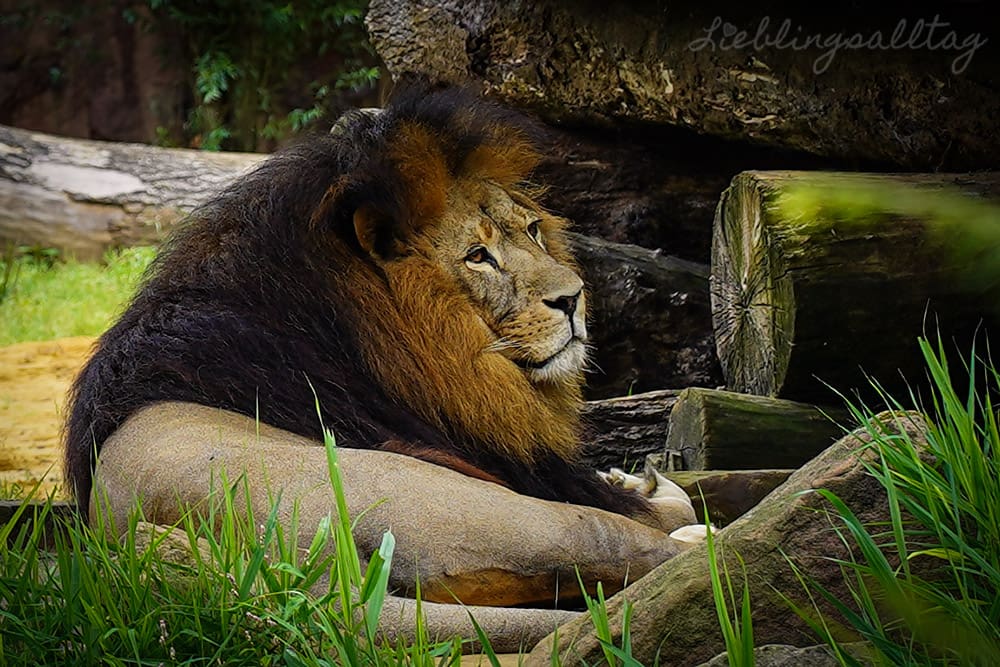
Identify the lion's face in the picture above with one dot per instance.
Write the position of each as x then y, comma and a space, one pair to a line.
508, 256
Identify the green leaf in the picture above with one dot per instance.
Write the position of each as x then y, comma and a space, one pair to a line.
377, 583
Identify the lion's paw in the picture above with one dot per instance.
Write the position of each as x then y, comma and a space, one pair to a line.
618, 477
672, 508
694, 533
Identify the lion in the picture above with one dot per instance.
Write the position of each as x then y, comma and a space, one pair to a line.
400, 275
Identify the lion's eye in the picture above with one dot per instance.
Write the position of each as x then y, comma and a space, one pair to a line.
478, 255
534, 230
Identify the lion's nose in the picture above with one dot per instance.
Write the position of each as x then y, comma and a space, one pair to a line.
565, 303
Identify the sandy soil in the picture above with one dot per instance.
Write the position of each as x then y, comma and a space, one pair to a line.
34, 381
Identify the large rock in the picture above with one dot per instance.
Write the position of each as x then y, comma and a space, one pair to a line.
919, 104
783, 655
674, 620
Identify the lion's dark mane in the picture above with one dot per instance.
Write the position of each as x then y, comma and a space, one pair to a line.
237, 312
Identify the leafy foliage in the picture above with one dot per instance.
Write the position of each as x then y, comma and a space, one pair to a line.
248, 58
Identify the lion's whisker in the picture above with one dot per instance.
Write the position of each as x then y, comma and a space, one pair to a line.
590, 363
501, 344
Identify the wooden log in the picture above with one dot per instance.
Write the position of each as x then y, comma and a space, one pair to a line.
823, 278
728, 494
621, 432
612, 186
651, 319
722, 430
84, 197
682, 64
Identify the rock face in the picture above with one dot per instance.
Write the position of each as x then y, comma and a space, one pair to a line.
914, 103
674, 619
783, 655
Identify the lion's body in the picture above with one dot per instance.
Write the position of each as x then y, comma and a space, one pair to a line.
340, 272
455, 535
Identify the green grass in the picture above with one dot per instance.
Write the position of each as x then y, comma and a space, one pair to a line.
240, 599
736, 626
242, 592
925, 588
44, 300
598, 611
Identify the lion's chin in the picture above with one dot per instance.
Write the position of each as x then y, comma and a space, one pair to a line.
565, 365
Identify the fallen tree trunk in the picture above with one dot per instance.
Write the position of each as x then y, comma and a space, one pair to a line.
84, 197
621, 432
731, 76
728, 494
823, 278
610, 185
721, 430
651, 319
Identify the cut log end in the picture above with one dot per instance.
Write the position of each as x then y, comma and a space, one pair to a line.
852, 268
751, 293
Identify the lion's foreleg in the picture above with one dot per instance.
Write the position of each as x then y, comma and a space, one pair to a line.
464, 538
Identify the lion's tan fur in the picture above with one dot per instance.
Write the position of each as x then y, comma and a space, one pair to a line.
459, 383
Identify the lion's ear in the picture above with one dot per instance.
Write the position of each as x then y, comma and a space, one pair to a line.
377, 233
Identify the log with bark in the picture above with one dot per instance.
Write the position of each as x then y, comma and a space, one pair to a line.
621, 432
727, 494
85, 197
923, 103
656, 187
651, 316
819, 279
610, 184
722, 430
651, 319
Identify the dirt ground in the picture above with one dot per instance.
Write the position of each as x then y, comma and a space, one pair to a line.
34, 381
